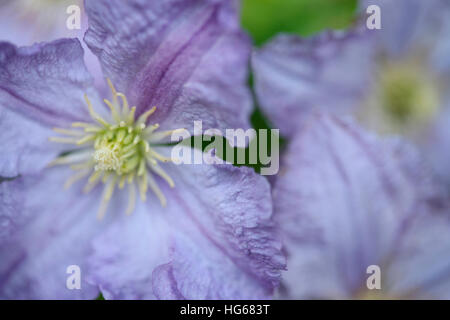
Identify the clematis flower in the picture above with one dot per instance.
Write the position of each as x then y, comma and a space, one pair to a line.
196, 231
394, 80
368, 208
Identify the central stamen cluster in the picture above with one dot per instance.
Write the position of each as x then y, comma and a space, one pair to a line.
408, 94
117, 152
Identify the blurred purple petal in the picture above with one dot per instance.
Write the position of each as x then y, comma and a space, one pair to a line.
411, 25
359, 205
50, 88
40, 86
400, 21
127, 252
294, 75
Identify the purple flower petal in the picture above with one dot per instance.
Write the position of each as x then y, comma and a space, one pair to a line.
406, 23
441, 51
294, 75
347, 200
214, 240
45, 82
25, 145
24, 22
45, 229
40, 86
187, 58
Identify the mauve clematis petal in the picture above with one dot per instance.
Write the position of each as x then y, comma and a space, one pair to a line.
40, 87
406, 24
441, 51
45, 230
437, 147
399, 22
50, 88
25, 145
186, 57
294, 75
125, 253
214, 240
362, 204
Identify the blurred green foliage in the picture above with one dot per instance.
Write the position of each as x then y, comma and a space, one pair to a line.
265, 18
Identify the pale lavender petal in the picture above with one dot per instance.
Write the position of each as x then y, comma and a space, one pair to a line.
214, 240
47, 18
346, 200
25, 145
48, 229
45, 82
186, 57
421, 268
126, 253
410, 24
294, 76
40, 87
437, 147
441, 50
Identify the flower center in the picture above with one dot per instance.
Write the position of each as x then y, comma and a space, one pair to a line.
408, 94
116, 151
405, 99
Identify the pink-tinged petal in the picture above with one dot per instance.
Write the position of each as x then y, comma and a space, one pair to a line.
45, 230
40, 87
294, 76
186, 57
213, 240
346, 200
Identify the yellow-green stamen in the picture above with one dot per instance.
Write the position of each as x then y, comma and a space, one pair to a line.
116, 153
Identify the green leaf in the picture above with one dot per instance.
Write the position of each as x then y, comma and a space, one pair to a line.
265, 18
